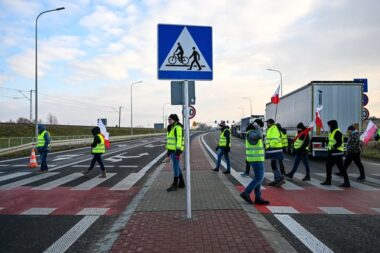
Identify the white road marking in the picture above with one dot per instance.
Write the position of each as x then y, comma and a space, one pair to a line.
17, 174
308, 239
1, 208
27, 181
88, 185
58, 182
282, 209
65, 157
317, 183
374, 208
86, 166
39, 211
287, 186
132, 178
369, 179
359, 186
63, 243
370, 163
26, 165
4, 165
93, 211
128, 166
336, 210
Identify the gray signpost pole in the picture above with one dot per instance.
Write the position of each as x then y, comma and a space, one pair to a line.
187, 149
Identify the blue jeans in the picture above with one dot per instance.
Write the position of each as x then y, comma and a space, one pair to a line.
278, 156
222, 152
258, 169
297, 160
176, 167
43, 156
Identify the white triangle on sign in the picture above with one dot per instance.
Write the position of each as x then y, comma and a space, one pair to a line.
190, 49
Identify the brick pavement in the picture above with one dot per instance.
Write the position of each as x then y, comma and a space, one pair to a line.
219, 222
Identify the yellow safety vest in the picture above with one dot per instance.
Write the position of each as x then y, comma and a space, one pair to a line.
174, 142
273, 138
254, 153
100, 147
284, 140
223, 139
298, 143
332, 141
41, 138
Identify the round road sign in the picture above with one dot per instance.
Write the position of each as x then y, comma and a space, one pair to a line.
365, 114
192, 111
364, 99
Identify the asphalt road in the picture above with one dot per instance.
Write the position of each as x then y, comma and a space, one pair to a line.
313, 219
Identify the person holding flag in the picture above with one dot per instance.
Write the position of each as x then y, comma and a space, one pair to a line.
98, 148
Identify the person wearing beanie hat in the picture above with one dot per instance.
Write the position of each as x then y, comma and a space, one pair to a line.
98, 148
223, 147
353, 151
174, 147
301, 149
335, 154
43, 145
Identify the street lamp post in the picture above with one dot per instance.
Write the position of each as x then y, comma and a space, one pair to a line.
163, 113
36, 68
131, 106
250, 103
275, 70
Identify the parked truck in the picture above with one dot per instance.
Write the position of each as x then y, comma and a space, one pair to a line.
341, 100
245, 122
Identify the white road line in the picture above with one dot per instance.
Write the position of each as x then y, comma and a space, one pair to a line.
308, 239
374, 208
359, 186
370, 163
369, 179
132, 178
58, 182
39, 211
88, 185
86, 166
1, 208
317, 183
17, 174
282, 209
27, 181
237, 175
63, 243
128, 166
20, 165
336, 210
93, 211
4, 165
287, 186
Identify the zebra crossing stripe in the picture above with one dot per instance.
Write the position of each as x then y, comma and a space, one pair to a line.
93, 211
369, 179
27, 181
88, 185
317, 183
17, 174
374, 208
336, 210
39, 211
308, 239
359, 186
3, 165
282, 209
128, 166
86, 166
287, 186
1, 208
58, 182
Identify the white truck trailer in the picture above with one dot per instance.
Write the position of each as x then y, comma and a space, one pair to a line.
341, 100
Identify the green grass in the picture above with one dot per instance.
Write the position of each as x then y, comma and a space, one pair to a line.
372, 150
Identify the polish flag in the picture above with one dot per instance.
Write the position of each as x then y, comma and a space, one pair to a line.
318, 119
304, 132
369, 132
103, 131
275, 99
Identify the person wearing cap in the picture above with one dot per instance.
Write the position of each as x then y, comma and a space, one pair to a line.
255, 156
273, 147
284, 143
335, 154
223, 147
174, 147
353, 152
301, 149
43, 146
98, 149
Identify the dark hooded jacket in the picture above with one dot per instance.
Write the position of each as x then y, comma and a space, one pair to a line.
333, 124
227, 134
42, 128
304, 137
95, 131
176, 123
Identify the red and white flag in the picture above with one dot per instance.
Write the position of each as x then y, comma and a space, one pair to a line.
369, 132
275, 99
103, 131
318, 119
304, 132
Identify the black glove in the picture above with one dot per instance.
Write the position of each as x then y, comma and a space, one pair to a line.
217, 148
178, 152
228, 149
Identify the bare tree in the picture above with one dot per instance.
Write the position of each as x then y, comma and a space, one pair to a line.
22, 120
51, 119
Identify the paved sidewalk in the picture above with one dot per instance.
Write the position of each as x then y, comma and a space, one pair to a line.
220, 223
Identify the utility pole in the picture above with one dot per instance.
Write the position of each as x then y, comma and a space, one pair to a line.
120, 114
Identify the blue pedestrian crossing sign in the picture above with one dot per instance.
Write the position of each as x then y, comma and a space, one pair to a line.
185, 52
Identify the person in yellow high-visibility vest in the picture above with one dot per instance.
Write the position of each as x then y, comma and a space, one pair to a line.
335, 154
284, 143
223, 147
97, 149
43, 145
174, 147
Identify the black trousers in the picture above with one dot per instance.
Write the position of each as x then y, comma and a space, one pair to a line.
357, 160
97, 157
331, 161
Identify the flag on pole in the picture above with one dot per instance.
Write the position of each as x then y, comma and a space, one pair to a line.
275, 99
304, 132
103, 131
369, 132
318, 119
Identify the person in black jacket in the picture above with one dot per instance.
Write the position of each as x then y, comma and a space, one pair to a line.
223, 147
98, 148
335, 154
301, 149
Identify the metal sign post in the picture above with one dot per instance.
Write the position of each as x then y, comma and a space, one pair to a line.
187, 150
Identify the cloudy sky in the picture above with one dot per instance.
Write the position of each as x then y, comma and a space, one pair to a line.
92, 51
